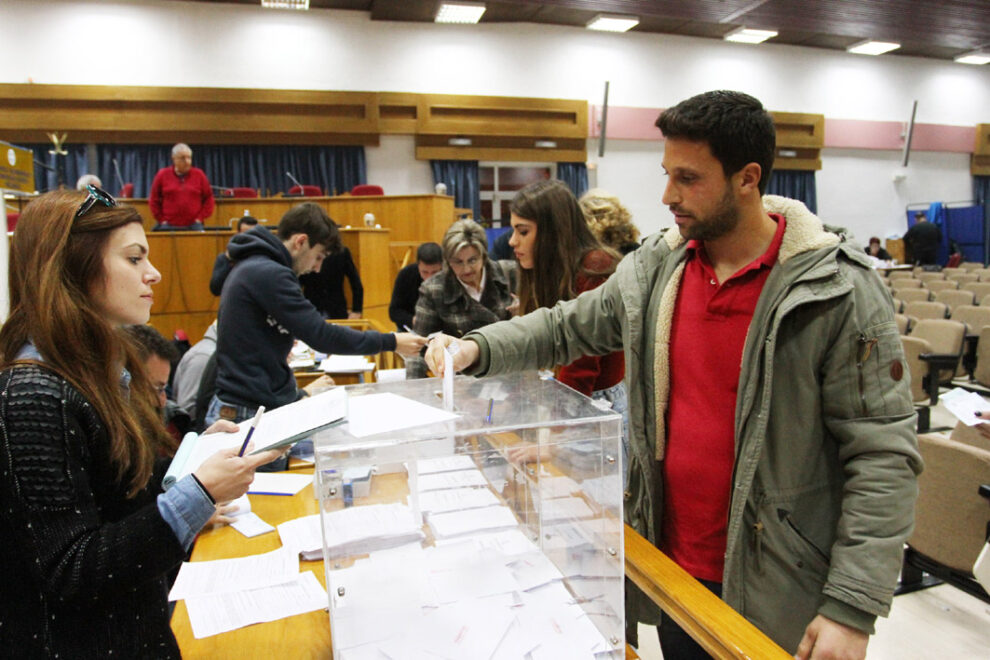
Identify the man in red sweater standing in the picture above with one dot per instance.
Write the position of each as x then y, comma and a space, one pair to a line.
181, 195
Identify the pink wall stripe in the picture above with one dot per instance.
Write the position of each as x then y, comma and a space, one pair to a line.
626, 123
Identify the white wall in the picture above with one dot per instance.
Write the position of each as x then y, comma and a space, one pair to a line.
227, 45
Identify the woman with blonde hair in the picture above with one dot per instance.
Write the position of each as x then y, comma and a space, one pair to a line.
609, 220
470, 292
86, 537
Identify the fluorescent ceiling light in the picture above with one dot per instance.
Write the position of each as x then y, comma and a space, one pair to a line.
873, 47
285, 4
612, 23
975, 57
746, 35
459, 142
460, 12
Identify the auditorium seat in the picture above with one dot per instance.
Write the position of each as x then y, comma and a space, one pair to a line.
12, 219
367, 189
126, 191
243, 192
306, 191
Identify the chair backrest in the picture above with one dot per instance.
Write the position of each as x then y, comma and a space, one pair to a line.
950, 269
930, 277
367, 189
243, 192
12, 219
975, 318
906, 283
955, 298
972, 265
913, 295
950, 519
903, 323
983, 273
914, 347
979, 289
127, 191
306, 191
942, 285
963, 277
945, 337
927, 310
900, 274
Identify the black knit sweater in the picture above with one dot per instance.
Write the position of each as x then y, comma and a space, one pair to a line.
84, 566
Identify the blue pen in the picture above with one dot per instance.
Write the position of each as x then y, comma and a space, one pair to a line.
491, 405
254, 425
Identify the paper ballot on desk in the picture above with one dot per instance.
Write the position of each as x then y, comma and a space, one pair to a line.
277, 428
346, 364
352, 531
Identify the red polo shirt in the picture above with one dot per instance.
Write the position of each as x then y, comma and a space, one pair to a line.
706, 345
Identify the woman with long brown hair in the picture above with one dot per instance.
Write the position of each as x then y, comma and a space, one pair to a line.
86, 537
559, 259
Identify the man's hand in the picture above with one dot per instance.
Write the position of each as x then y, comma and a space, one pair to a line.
223, 514
321, 384
465, 352
407, 344
825, 639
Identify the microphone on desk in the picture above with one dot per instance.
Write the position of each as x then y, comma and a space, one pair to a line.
116, 171
295, 181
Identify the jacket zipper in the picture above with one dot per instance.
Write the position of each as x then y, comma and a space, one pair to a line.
863, 354
758, 540
790, 523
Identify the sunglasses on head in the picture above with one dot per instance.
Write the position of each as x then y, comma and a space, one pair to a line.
95, 195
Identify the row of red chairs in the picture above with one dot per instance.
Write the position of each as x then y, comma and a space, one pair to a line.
305, 191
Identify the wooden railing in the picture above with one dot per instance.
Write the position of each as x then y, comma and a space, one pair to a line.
720, 630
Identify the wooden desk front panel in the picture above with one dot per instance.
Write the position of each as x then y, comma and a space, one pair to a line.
370, 250
183, 298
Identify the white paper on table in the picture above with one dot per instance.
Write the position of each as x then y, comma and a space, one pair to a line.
367, 414
346, 364
564, 509
250, 525
447, 480
355, 627
448, 379
211, 615
302, 535
202, 578
458, 499
533, 570
369, 587
445, 464
462, 522
963, 404
475, 580
279, 483
469, 630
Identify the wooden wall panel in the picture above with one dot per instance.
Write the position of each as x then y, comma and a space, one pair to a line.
980, 165
800, 138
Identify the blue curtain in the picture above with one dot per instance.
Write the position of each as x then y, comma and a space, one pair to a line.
461, 177
334, 169
575, 175
795, 184
69, 167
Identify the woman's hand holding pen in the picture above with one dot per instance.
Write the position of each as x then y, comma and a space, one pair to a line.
407, 344
465, 353
226, 476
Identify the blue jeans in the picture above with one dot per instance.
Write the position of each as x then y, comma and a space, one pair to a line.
619, 398
240, 414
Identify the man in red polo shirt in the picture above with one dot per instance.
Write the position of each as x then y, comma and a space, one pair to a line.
772, 436
181, 195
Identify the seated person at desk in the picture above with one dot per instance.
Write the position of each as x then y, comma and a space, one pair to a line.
223, 263
876, 251
325, 288
158, 354
263, 310
181, 195
87, 537
405, 293
470, 292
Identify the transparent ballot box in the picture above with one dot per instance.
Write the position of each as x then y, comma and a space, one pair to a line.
489, 530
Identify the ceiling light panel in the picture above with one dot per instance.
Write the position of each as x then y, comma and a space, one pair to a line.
873, 47
746, 35
285, 4
973, 58
613, 23
460, 12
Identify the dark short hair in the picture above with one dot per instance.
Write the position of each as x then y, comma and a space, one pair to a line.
736, 127
429, 253
248, 220
149, 341
874, 239
310, 219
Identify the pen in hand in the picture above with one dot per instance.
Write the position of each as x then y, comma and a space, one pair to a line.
254, 425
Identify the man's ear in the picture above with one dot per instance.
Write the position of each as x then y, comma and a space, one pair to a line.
299, 241
749, 178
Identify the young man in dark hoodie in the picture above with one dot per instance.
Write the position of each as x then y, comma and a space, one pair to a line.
263, 310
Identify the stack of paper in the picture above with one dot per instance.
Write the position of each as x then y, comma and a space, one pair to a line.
352, 531
445, 525
458, 499
446, 480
